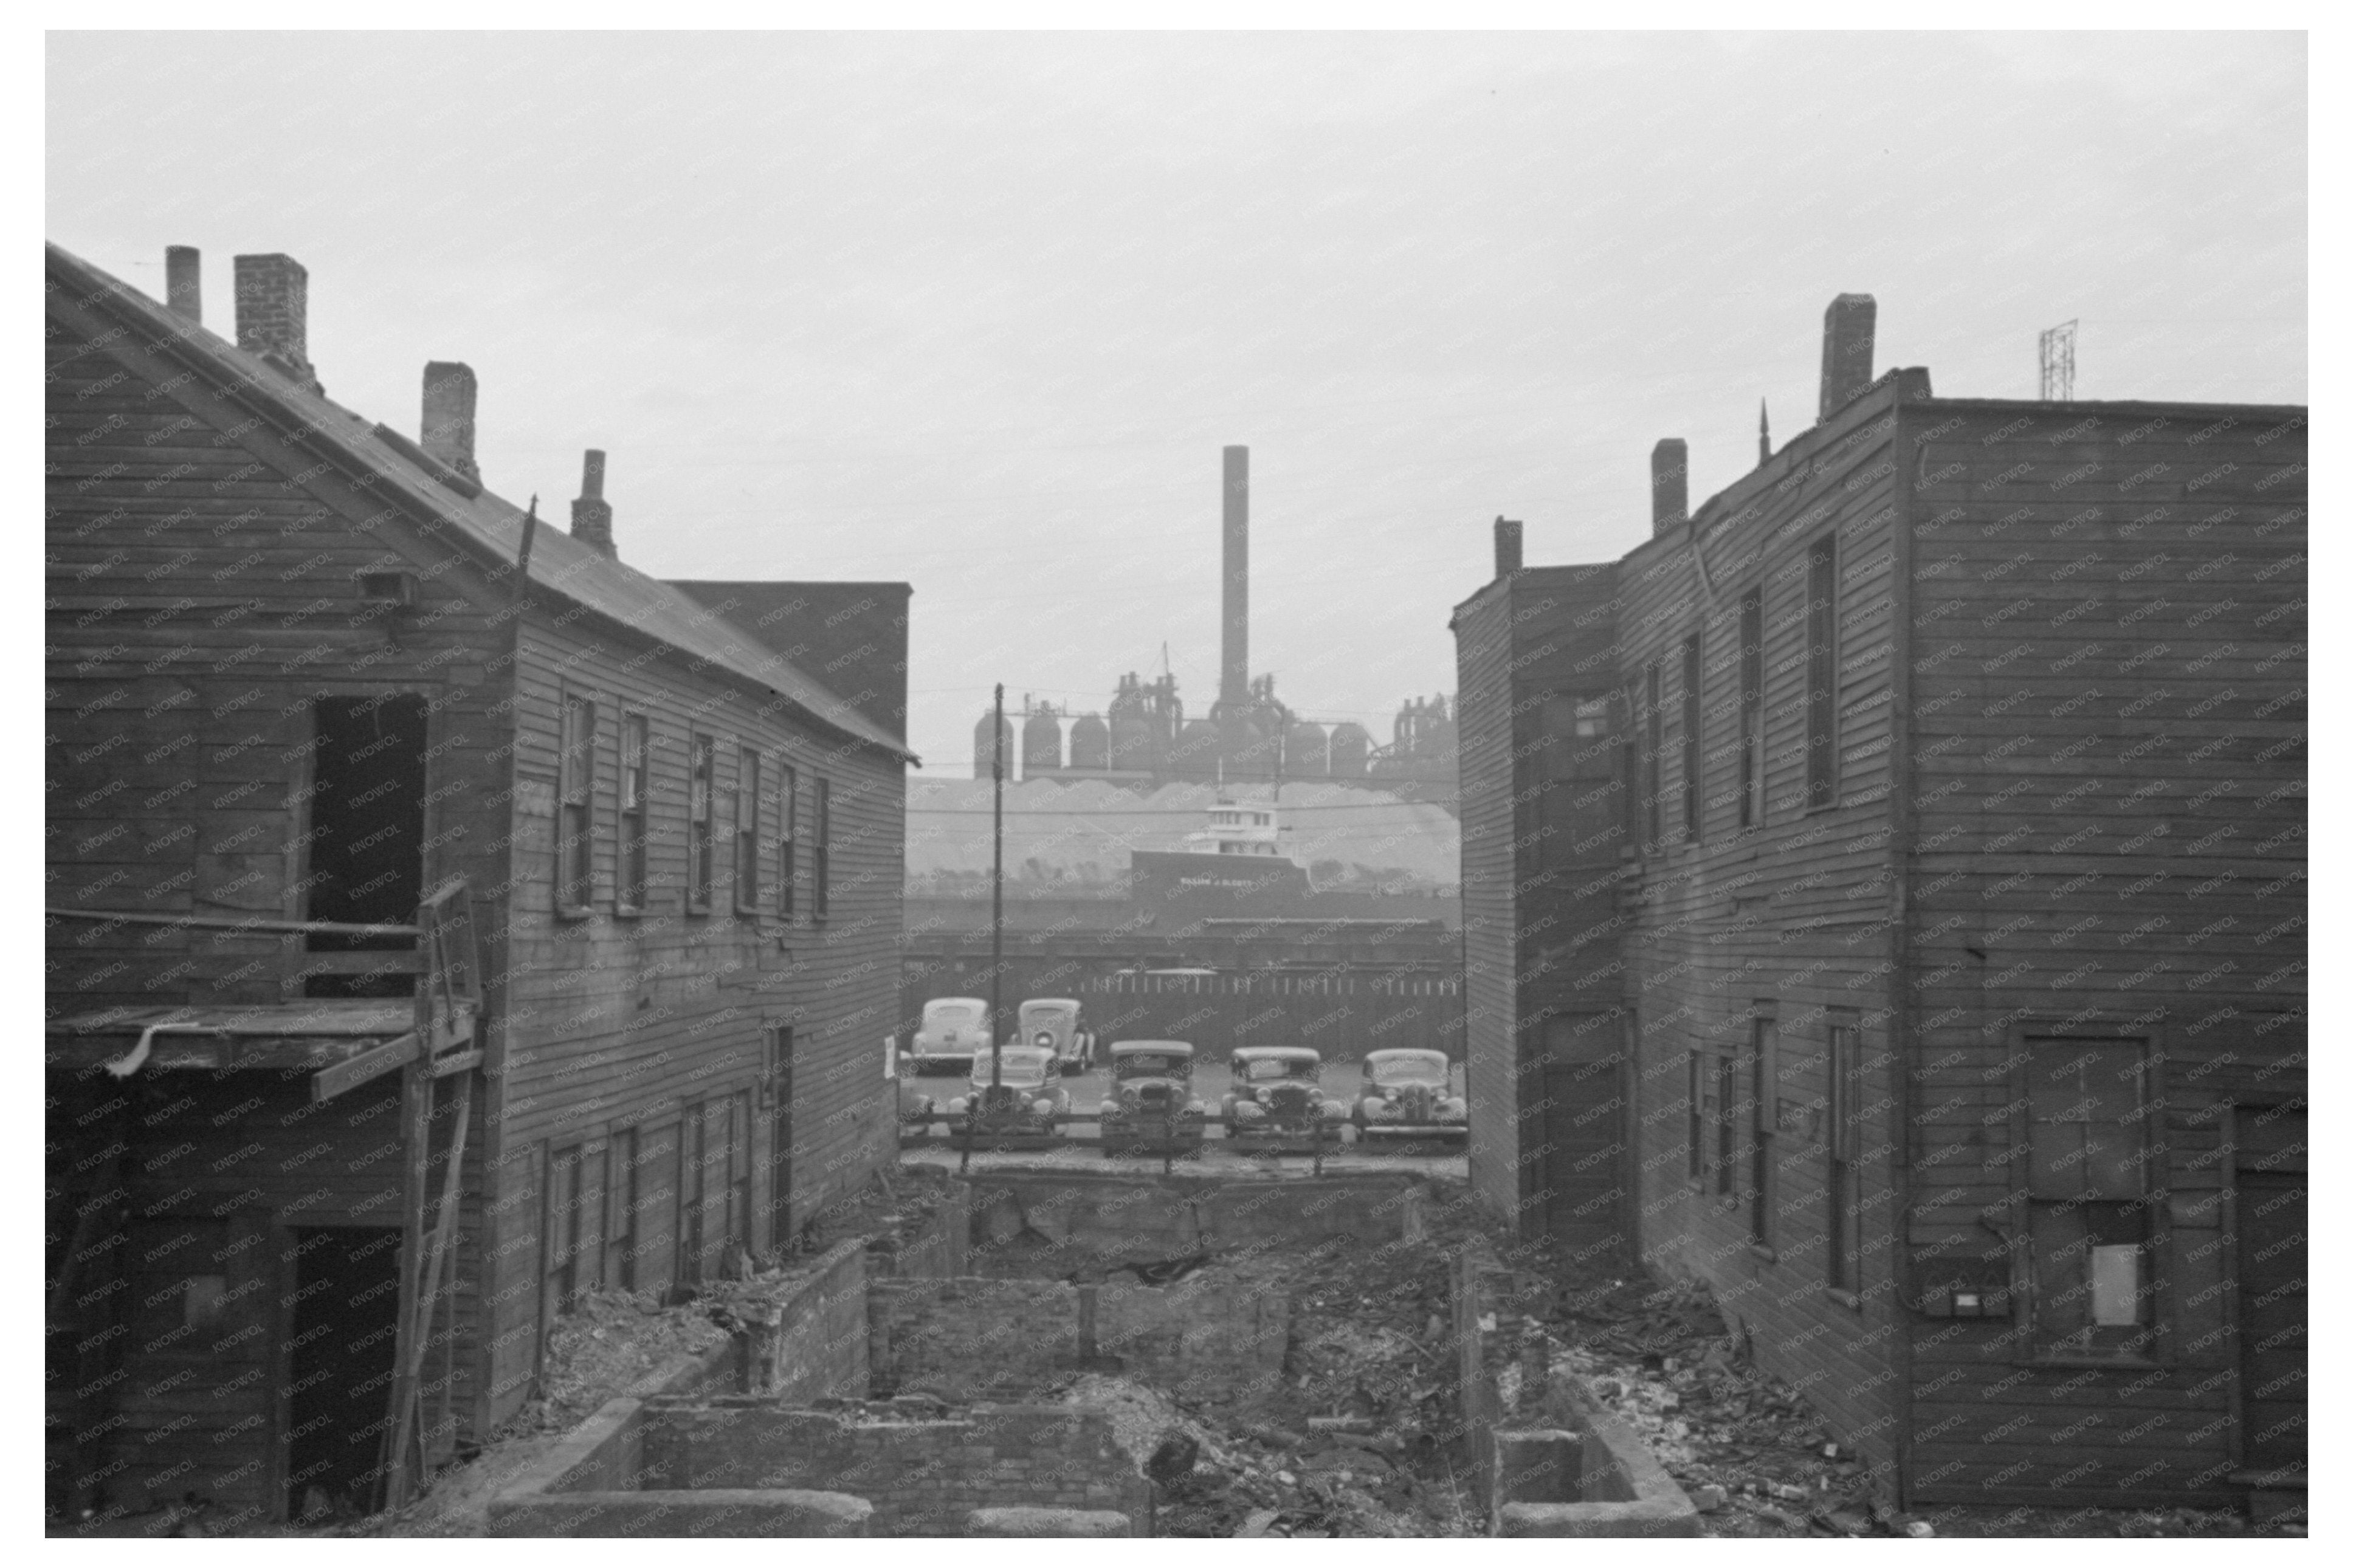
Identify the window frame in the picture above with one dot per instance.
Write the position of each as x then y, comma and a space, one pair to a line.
1764, 1088
1727, 1128
1841, 1167
1691, 722
1695, 1119
1654, 741
633, 858
573, 892
750, 803
1821, 672
1752, 708
701, 766
2154, 1204
789, 806
821, 848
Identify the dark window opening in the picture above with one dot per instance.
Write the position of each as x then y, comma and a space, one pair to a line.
821, 851
1752, 708
1694, 1126
1727, 1125
1842, 1177
776, 1094
1821, 672
630, 888
367, 839
749, 801
700, 751
1653, 744
788, 811
1691, 737
1763, 1056
575, 787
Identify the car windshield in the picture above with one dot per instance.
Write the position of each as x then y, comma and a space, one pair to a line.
1400, 1071
1022, 1070
952, 1015
1045, 1014
1268, 1069
1152, 1064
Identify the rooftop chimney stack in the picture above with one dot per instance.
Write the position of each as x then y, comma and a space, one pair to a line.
1847, 330
1670, 493
183, 293
1233, 686
273, 298
592, 516
447, 433
1507, 546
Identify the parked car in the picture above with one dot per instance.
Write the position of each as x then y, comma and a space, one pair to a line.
1150, 1109
1277, 1102
1057, 1024
917, 1110
1410, 1093
955, 1028
1013, 1098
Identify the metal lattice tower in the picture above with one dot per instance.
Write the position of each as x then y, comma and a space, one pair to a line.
2059, 363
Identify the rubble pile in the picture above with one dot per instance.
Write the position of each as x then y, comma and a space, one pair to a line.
1354, 1438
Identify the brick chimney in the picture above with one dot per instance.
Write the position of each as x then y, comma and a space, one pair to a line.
1507, 546
592, 516
273, 296
183, 293
1847, 330
447, 431
1670, 494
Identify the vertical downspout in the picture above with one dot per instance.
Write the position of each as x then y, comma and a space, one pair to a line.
1902, 1033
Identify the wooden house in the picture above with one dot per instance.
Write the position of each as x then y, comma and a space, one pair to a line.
1960, 926
445, 918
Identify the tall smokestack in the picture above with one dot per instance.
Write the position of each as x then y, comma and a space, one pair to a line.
1233, 685
1507, 546
1669, 489
592, 515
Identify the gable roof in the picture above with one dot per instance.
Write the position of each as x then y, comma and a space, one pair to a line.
387, 464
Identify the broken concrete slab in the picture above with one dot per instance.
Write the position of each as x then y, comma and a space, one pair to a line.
1000, 1522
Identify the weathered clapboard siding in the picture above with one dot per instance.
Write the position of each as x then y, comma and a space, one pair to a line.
207, 519
1490, 902
1788, 920
2108, 756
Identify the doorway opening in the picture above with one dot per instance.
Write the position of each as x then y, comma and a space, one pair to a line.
343, 1332
366, 842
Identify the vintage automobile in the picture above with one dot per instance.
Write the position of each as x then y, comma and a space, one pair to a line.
1054, 1022
1150, 1109
1409, 1094
916, 1112
1023, 1106
955, 1028
1277, 1104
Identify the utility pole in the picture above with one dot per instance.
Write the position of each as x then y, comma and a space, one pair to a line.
996, 903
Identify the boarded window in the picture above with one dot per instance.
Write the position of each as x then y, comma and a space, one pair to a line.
1841, 1178
1690, 726
700, 751
748, 802
637, 747
575, 794
1752, 708
575, 1215
789, 813
1727, 1123
620, 1216
1821, 672
821, 851
2090, 1197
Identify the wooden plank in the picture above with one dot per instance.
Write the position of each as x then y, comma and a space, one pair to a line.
364, 1068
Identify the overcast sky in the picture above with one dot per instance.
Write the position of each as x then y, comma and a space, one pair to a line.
977, 312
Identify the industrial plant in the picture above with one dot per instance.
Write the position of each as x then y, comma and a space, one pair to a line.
1249, 735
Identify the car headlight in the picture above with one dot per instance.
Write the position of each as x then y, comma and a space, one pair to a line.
1248, 1110
1110, 1107
1194, 1108
957, 1106
1453, 1109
